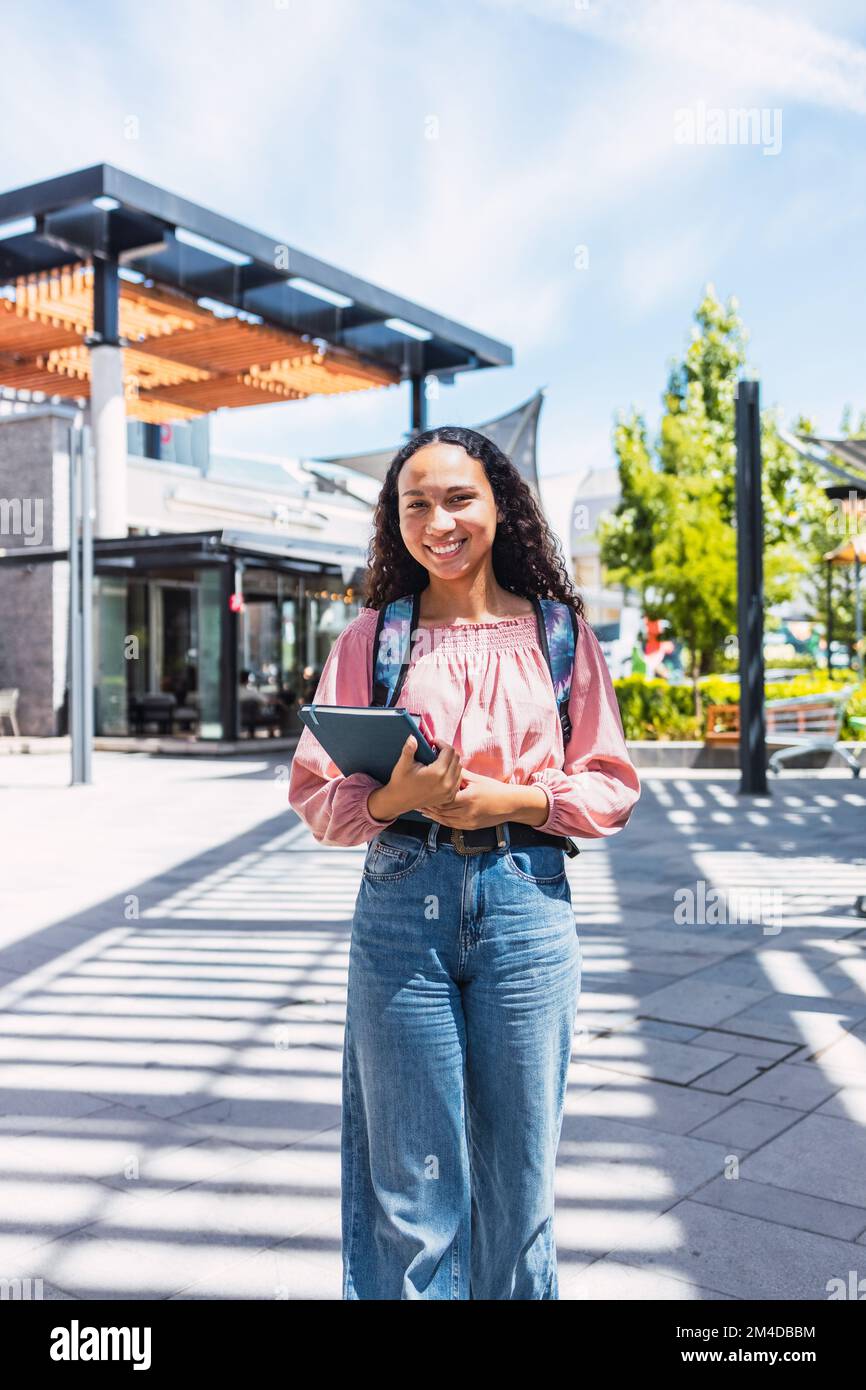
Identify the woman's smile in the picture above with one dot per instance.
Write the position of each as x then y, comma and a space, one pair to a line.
443, 550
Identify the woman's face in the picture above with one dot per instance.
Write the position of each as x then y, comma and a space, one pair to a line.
448, 514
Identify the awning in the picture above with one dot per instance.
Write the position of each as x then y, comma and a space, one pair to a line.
194, 549
851, 549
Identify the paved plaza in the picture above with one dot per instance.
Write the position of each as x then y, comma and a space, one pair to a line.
173, 953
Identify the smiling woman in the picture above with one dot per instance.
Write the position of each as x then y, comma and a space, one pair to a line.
465, 966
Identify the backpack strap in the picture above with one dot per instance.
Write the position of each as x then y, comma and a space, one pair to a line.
557, 635
392, 648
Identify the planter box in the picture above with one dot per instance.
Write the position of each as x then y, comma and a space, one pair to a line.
650, 753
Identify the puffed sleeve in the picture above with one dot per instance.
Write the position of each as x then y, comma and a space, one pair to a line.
594, 794
333, 806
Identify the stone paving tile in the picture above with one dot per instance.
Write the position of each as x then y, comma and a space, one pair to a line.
746, 1125
699, 1002
644, 1103
26, 1107
279, 1273
791, 1024
613, 1179
633, 984
262, 1124
772, 1203
125, 1151
818, 1155
800, 1087
109, 1147
650, 1057
731, 1075
848, 1051
608, 1280
849, 1103
658, 1028
742, 1256
99, 1265
666, 962
847, 1013
744, 1045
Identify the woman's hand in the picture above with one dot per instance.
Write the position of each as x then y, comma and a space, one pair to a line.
480, 802
413, 784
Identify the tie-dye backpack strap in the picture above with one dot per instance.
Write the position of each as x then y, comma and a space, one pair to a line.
557, 632
392, 647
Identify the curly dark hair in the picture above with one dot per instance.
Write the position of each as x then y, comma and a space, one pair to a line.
527, 558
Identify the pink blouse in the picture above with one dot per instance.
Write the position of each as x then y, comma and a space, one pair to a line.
485, 688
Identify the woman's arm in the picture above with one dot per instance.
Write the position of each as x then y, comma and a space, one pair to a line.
333, 806
594, 794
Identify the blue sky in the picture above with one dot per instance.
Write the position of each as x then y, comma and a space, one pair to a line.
555, 130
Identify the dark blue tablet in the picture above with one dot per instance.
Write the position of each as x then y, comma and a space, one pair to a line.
366, 739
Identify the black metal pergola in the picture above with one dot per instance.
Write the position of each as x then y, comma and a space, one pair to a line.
119, 224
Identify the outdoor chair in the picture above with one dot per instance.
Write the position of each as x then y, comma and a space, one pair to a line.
258, 714
807, 723
794, 725
8, 710
156, 709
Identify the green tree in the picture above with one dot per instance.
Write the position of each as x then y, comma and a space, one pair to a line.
672, 537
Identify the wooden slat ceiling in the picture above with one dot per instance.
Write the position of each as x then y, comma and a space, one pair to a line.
182, 360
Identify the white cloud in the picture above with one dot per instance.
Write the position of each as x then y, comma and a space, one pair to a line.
767, 48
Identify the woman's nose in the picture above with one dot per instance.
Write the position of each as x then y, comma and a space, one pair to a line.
441, 520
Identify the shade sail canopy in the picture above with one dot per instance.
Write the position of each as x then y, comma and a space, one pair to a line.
211, 313
851, 452
514, 433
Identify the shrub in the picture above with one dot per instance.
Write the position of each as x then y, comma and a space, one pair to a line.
655, 709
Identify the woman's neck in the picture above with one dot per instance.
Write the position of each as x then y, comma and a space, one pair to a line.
479, 599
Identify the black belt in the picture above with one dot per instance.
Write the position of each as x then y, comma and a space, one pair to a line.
488, 837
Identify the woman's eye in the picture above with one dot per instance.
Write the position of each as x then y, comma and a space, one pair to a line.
462, 497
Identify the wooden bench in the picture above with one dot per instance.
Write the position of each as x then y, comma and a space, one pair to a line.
723, 724
795, 724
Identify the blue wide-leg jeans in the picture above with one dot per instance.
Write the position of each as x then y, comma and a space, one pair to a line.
464, 977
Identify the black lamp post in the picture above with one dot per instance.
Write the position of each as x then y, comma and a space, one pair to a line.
750, 590
852, 503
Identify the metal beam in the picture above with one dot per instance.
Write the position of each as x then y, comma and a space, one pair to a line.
106, 302
419, 405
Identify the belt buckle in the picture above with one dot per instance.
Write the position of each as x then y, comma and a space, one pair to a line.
462, 848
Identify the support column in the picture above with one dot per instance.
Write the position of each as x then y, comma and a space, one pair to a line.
108, 426
80, 607
107, 403
829, 617
858, 611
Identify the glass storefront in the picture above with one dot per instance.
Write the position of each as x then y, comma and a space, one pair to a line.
163, 650
287, 627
